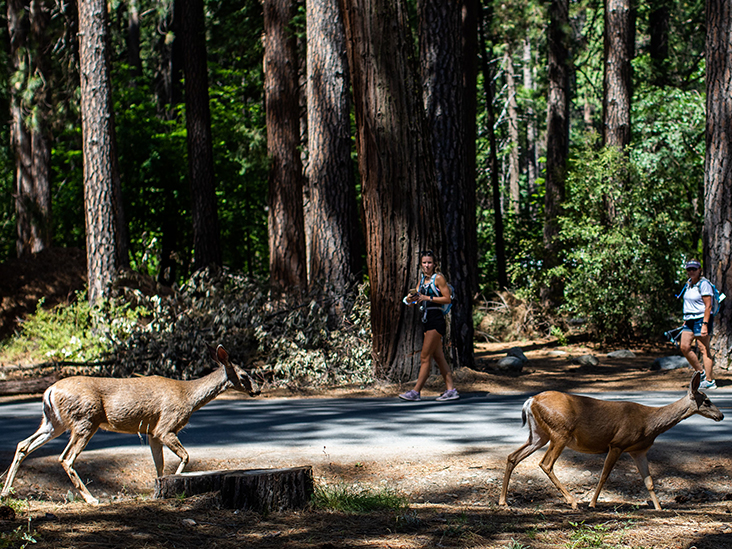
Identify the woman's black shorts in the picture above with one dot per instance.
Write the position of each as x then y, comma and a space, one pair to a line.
435, 321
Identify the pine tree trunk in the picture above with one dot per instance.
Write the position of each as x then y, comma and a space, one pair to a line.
513, 132
204, 208
619, 48
532, 156
106, 247
718, 171
658, 24
30, 141
287, 257
557, 142
332, 214
443, 62
401, 201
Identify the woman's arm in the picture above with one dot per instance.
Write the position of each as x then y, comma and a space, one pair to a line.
707, 314
441, 284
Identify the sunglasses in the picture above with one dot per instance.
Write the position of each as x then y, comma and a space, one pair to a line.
424, 253
692, 268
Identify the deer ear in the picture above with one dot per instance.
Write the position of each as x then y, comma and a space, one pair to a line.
222, 355
695, 381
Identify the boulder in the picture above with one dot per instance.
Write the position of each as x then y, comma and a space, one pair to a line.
622, 353
586, 360
669, 363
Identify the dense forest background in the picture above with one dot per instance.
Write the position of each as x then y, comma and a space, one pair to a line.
581, 143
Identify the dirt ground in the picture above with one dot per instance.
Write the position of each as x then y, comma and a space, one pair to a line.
452, 500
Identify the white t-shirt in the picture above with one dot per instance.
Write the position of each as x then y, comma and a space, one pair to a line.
693, 302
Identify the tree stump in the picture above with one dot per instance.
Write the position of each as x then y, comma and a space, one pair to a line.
261, 490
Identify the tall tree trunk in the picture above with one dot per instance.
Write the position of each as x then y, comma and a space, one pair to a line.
106, 234
619, 37
30, 141
443, 74
133, 39
204, 208
332, 215
513, 132
500, 244
718, 171
557, 142
287, 257
532, 156
658, 25
401, 200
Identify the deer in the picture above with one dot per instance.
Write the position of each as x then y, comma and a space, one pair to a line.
594, 426
155, 406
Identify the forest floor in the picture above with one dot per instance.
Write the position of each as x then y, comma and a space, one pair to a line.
452, 500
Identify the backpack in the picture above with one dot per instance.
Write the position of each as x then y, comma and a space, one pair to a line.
717, 297
445, 308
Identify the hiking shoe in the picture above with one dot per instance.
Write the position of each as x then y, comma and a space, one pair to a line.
703, 376
707, 385
412, 396
452, 394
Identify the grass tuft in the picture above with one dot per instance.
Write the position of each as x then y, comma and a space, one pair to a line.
350, 499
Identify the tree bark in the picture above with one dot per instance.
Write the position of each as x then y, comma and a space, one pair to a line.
513, 132
619, 38
204, 209
443, 52
500, 244
532, 155
557, 143
718, 170
106, 233
401, 200
332, 214
133, 40
658, 25
287, 257
27, 28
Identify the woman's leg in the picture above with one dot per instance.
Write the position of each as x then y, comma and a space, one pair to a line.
432, 342
707, 359
443, 365
687, 338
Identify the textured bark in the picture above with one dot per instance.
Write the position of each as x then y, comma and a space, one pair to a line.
332, 215
204, 209
31, 145
532, 155
557, 141
443, 64
513, 132
619, 37
500, 244
106, 233
133, 39
401, 201
718, 171
261, 490
287, 257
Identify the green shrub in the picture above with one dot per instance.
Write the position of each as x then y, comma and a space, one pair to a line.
351, 499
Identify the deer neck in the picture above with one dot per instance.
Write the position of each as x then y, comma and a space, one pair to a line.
205, 389
665, 417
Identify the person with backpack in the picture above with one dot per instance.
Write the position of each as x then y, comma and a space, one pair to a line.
434, 297
698, 296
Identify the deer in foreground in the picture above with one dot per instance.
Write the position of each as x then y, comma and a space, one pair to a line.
593, 426
155, 406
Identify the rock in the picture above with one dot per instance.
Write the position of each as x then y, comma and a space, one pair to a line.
623, 353
510, 364
557, 353
518, 353
586, 360
669, 363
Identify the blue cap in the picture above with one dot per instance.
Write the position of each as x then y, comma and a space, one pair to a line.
693, 264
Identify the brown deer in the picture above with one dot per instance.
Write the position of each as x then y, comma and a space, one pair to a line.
155, 406
596, 426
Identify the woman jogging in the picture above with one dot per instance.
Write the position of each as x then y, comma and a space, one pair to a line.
432, 293
698, 323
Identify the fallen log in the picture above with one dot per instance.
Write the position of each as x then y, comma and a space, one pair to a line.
29, 386
261, 490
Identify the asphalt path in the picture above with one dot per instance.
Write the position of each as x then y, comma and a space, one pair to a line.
354, 426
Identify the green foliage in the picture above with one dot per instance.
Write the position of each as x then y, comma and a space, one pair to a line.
356, 500
74, 331
19, 538
624, 243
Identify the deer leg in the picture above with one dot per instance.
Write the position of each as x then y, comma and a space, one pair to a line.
641, 462
547, 465
610, 461
47, 431
172, 442
531, 446
77, 443
156, 447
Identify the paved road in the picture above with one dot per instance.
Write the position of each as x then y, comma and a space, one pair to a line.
354, 427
